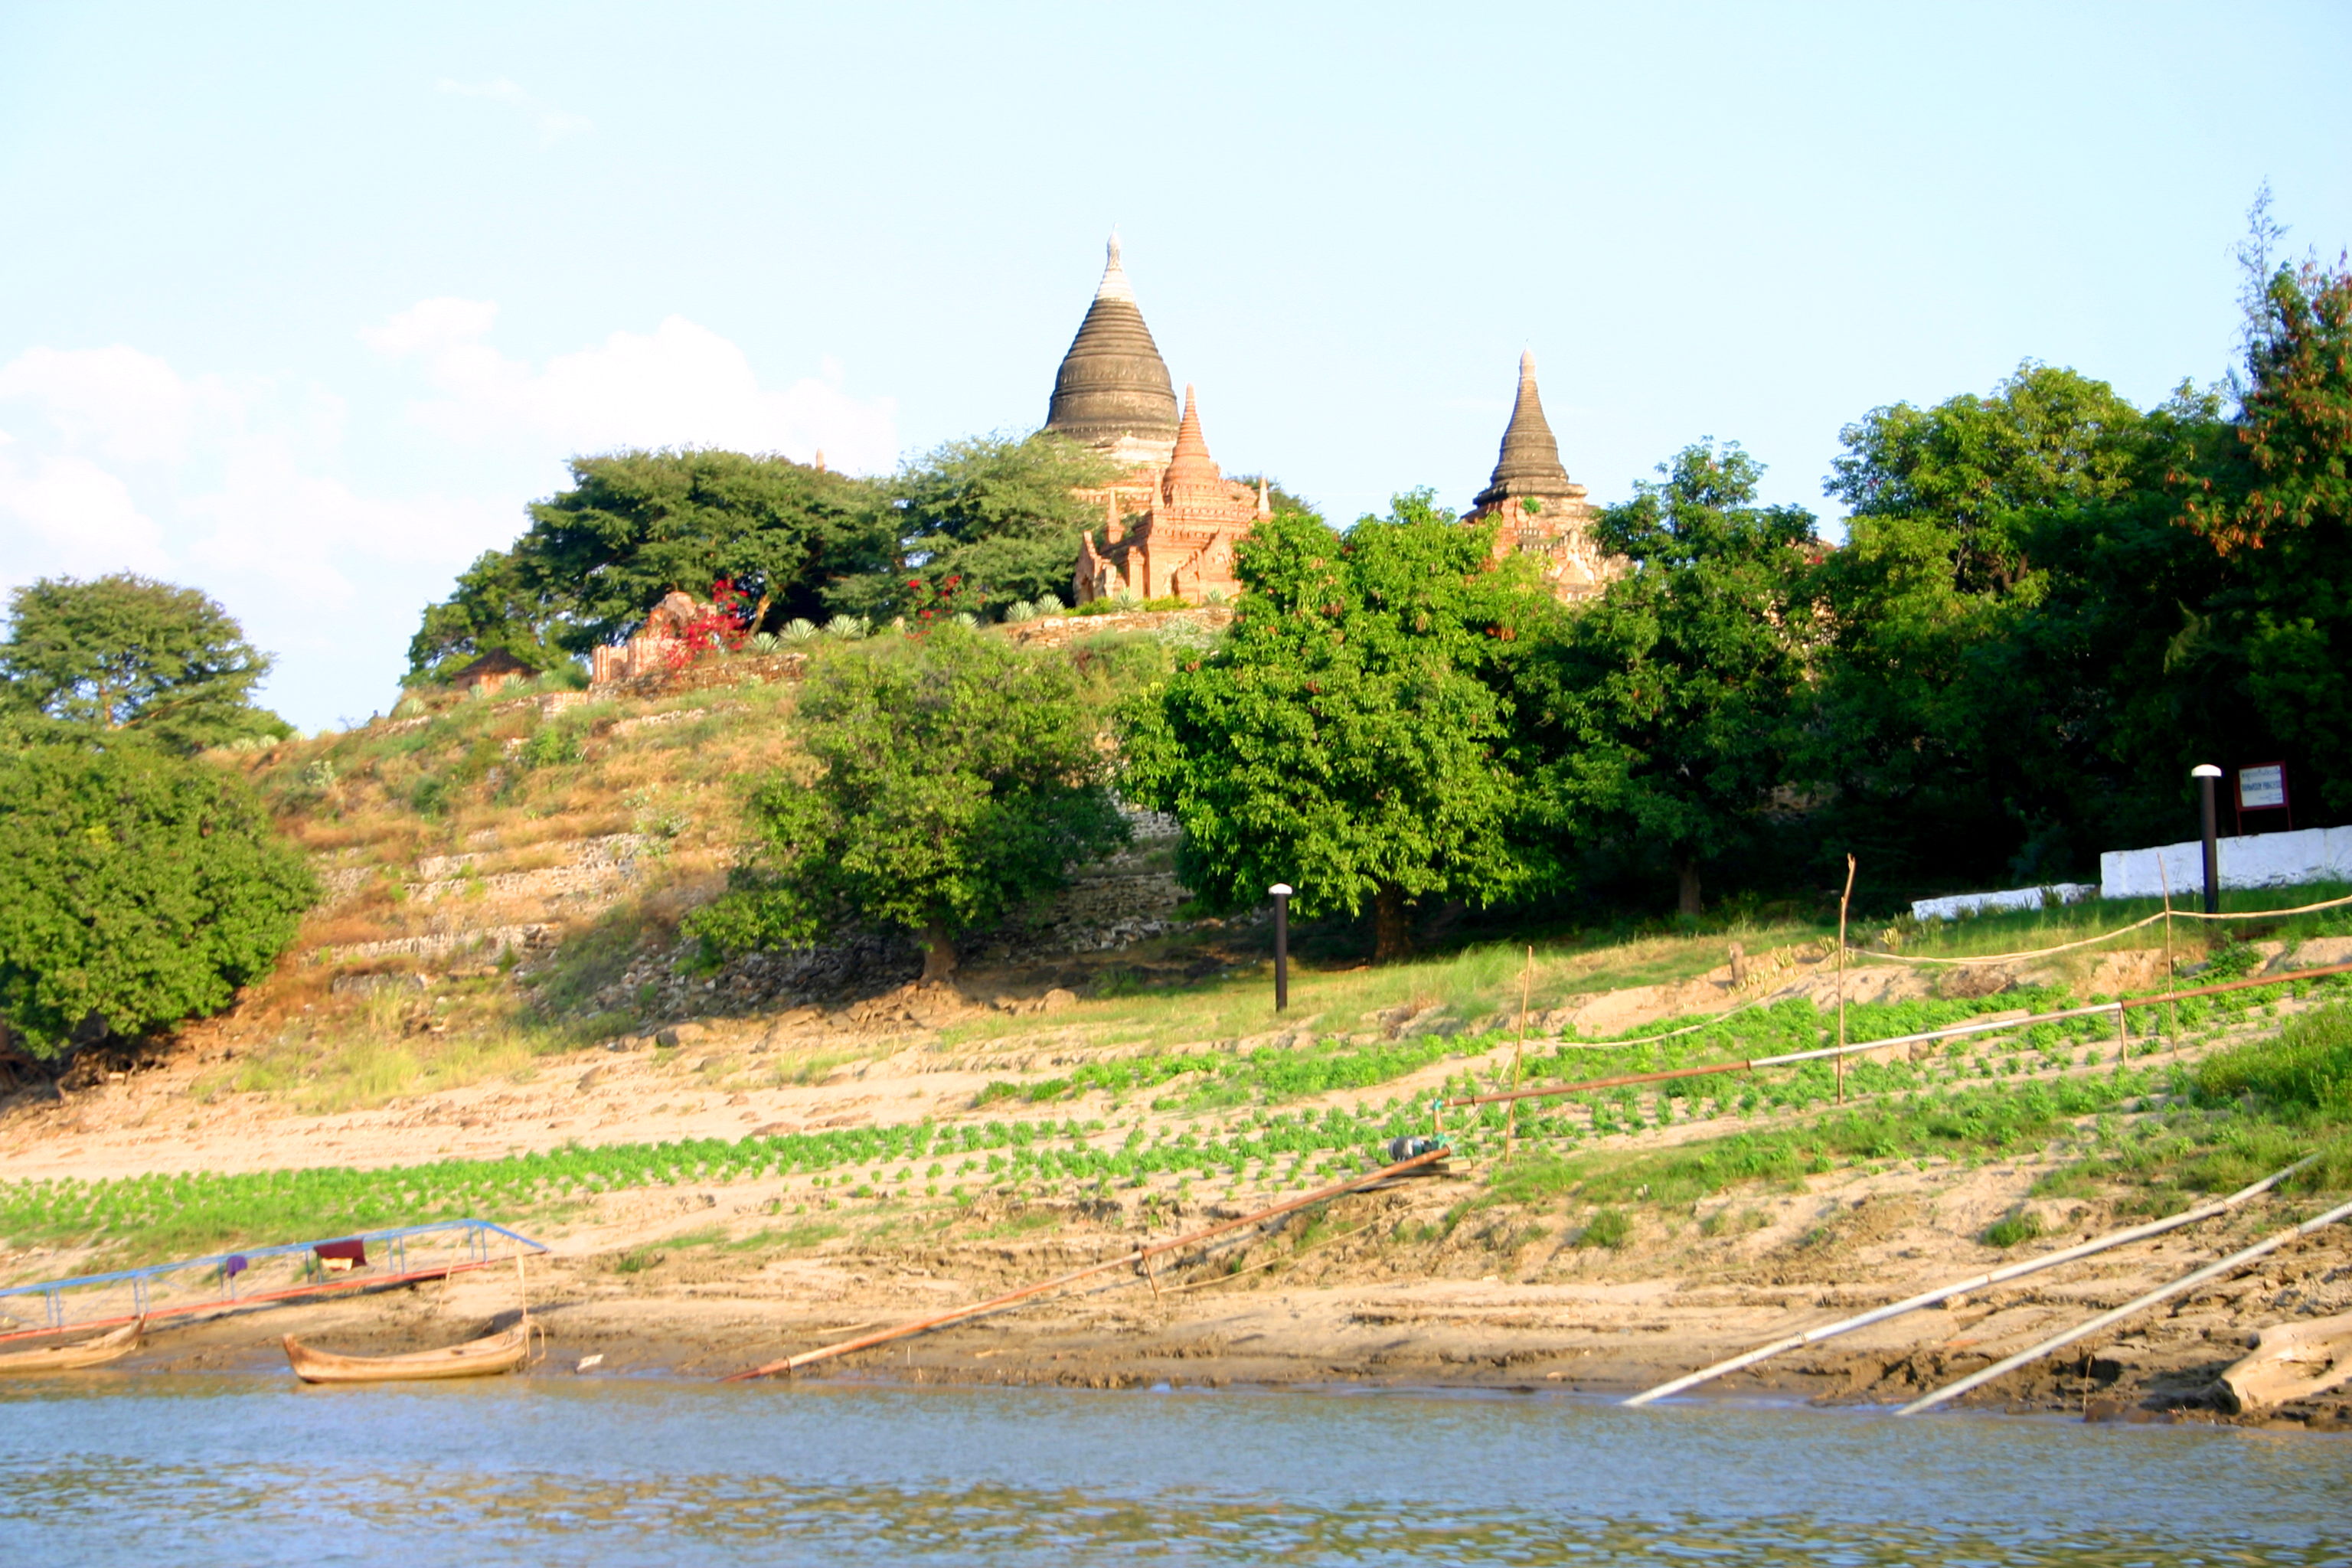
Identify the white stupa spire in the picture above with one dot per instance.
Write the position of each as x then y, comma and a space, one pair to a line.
1114, 285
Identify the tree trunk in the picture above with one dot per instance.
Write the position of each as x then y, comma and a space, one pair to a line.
1687, 868
1392, 932
938, 955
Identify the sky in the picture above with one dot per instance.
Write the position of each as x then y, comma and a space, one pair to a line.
304, 305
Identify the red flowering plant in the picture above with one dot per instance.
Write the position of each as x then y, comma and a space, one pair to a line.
928, 603
721, 628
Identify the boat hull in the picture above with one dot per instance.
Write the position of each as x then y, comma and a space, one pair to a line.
107, 1347
485, 1357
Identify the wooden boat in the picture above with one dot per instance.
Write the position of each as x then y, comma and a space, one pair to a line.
502, 1351
107, 1347
2290, 1361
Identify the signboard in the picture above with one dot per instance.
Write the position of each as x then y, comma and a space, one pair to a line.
2262, 788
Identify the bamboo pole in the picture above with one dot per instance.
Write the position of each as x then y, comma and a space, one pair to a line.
1141, 1256
2236, 1261
1975, 1282
1843, 898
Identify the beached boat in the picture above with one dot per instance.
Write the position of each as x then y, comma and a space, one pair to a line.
2291, 1360
107, 1347
502, 1351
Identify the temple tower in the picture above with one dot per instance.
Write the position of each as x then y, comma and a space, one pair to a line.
1183, 545
1113, 392
1538, 509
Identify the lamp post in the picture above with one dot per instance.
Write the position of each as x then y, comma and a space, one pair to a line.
2207, 775
1281, 894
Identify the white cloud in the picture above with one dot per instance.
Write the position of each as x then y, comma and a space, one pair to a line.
121, 403
112, 459
679, 385
65, 516
552, 123
118, 462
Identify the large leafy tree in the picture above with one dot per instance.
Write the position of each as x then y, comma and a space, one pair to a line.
949, 778
1970, 723
137, 888
983, 523
2276, 507
1352, 734
637, 525
125, 653
1671, 705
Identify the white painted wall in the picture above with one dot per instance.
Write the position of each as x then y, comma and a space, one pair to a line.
1958, 904
2263, 861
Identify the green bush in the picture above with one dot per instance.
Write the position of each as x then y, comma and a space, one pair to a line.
2013, 1229
2308, 1067
1608, 1227
137, 888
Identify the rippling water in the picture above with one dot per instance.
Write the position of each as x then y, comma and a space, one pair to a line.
159, 1469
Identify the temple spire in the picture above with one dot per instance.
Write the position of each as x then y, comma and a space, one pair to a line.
1528, 464
1190, 463
1113, 391
1114, 284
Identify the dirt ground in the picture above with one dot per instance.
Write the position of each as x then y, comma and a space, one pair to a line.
1384, 1287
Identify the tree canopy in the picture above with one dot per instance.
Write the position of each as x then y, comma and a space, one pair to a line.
137, 888
125, 653
637, 525
1352, 735
949, 777
983, 523
1670, 706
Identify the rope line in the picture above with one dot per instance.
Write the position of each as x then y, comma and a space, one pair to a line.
2103, 936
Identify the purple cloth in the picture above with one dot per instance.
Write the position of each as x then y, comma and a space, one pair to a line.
233, 1265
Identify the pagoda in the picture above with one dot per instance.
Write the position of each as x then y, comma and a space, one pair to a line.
1182, 544
1170, 518
1539, 510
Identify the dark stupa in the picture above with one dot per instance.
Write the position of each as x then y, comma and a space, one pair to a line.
1529, 464
1113, 392
1538, 509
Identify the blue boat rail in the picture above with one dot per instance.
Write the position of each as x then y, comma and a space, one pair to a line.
261, 1276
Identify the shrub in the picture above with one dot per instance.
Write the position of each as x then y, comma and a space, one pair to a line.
2308, 1067
136, 889
2013, 1229
1607, 1227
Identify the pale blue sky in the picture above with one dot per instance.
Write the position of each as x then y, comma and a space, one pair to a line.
302, 304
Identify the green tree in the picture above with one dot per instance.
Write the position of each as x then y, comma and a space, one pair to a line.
1352, 733
2007, 559
127, 652
2276, 506
637, 525
952, 777
1670, 705
998, 519
137, 888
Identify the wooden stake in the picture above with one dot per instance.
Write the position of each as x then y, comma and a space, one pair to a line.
1843, 898
2166, 879
1518, 1057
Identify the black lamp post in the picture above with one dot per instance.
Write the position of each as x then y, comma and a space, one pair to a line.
2207, 775
1281, 893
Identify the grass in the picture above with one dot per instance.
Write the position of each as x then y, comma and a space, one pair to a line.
2011, 931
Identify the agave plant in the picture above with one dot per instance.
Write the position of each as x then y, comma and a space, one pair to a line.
800, 628
966, 619
847, 627
1045, 604
765, 642
1019, 611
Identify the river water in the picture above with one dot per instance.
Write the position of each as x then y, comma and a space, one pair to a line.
149, 1468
